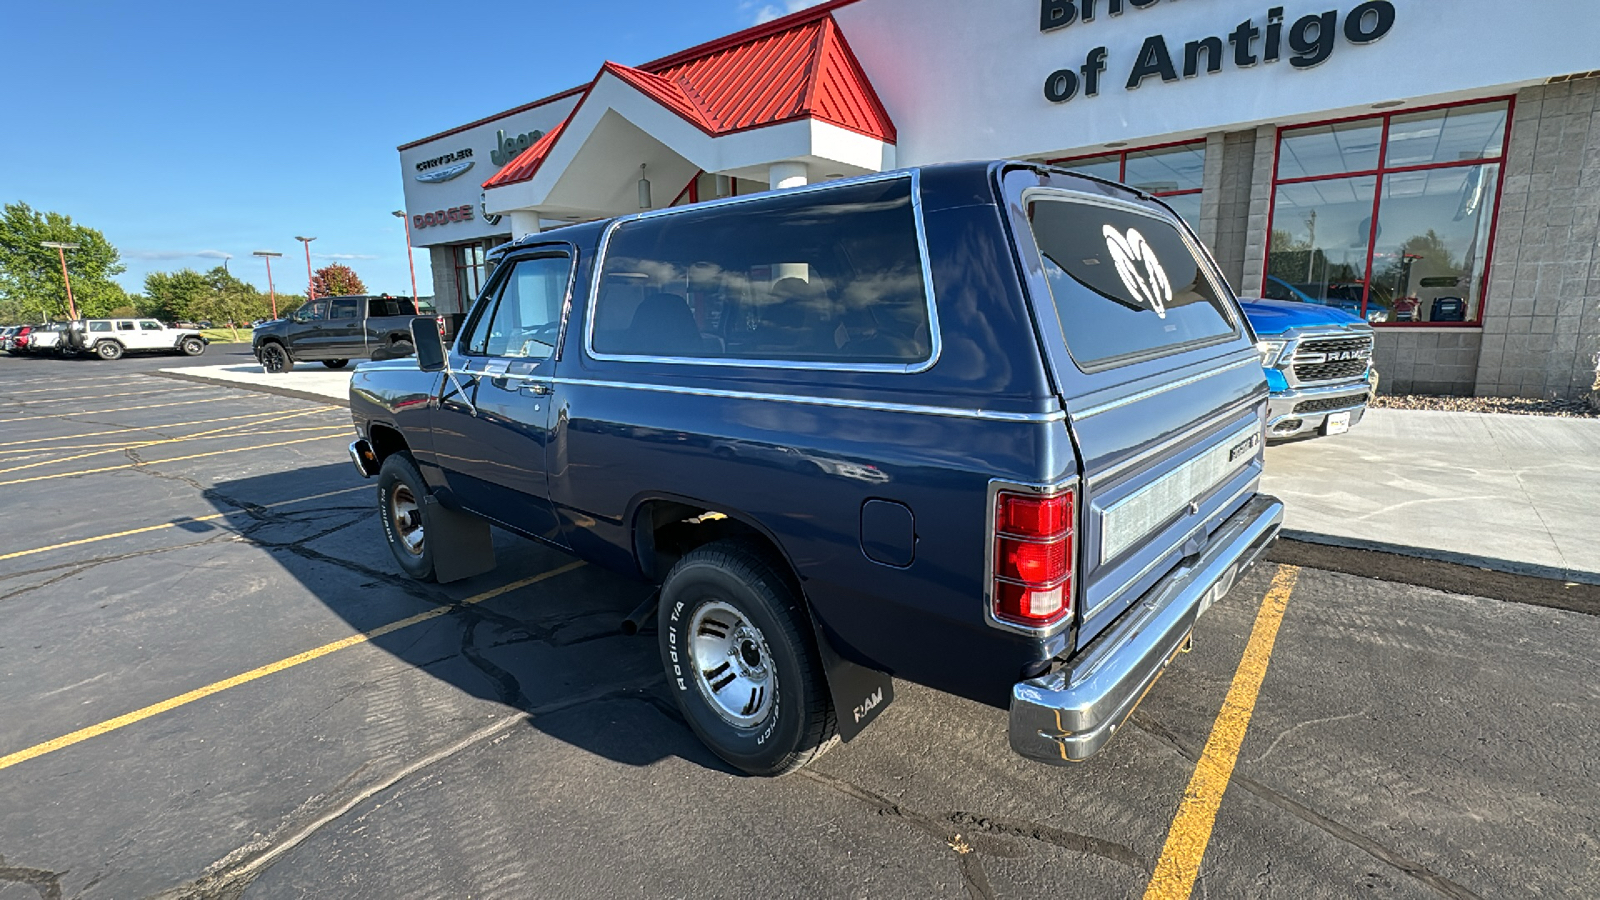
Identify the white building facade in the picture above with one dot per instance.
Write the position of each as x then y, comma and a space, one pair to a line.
1432, 166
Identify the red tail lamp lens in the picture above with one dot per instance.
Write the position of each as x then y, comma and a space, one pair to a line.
1032, 558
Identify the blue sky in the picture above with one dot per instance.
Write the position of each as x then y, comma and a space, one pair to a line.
185, 131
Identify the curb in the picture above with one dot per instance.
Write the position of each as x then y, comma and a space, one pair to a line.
1508, 566
258, 388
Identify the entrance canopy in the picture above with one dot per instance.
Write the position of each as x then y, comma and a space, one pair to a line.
783, 102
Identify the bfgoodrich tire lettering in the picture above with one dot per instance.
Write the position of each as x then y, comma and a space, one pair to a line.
754, 640
401, 502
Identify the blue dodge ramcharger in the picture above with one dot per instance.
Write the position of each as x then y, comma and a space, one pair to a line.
995, 428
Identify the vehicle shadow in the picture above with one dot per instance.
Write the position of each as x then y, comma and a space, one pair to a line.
541, 633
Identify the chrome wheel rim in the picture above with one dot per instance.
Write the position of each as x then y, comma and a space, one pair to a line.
405, 514
732, 664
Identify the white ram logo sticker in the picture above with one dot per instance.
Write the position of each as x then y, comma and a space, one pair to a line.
1132, 254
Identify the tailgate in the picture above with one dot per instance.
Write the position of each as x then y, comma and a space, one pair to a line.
1158, 373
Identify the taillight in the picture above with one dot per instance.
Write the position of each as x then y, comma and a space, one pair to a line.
1032, 558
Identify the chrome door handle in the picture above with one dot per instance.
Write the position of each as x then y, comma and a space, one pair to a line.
537, 388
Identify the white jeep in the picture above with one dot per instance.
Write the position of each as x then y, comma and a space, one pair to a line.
110, 338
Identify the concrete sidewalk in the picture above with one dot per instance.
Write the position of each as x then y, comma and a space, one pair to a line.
309, 381
1515, 493
1518, 494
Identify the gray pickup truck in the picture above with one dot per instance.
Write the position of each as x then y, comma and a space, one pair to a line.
335, 330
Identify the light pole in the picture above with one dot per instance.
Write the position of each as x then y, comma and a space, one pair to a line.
268, 255
406, 222
311, 290
61, 251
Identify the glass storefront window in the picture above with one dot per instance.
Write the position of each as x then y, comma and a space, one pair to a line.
1174, 173
1423, 176
470, 272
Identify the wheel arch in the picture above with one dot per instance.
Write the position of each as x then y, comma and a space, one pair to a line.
386, 440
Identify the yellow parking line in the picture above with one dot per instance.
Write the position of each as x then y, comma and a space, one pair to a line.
119, 409
1179, 864
77, 385
74, 437
215, 432
155, 462
215, 687
178, 524
106, 396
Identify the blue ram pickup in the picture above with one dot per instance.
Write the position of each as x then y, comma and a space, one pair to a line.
1318, 362
994, 428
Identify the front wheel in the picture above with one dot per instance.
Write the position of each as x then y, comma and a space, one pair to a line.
192, 346
401, 498
336, 363
108, 350
737, 647
275, 360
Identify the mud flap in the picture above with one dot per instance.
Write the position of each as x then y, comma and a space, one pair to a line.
461, 542
859, 693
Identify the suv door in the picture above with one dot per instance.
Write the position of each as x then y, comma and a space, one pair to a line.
154, 336
344, 336
306, 340
490, 435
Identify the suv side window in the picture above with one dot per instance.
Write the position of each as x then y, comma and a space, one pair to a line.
147, 325
523, 319
99, 326
125, 326
346, 309
317, 311
829, 276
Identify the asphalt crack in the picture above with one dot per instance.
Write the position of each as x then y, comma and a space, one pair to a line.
1417, 871
46, 882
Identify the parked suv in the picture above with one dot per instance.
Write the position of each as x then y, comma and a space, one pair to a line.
335, 330
110, 338
990, 427
1318, 363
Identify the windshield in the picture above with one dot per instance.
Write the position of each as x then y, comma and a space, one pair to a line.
1125, 282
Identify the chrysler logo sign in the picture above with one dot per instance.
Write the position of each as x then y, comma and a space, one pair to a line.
444, 168
1141, 272
446, 173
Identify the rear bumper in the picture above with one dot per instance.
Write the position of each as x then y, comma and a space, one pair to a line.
1068, 715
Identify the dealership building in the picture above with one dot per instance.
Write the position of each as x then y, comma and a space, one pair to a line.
1432, 166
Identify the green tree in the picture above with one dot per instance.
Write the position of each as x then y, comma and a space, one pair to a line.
174, 296
30, 275
336, 280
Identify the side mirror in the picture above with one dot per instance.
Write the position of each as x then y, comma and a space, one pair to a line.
430, 346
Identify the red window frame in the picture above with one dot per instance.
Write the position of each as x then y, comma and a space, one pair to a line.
1377, 194
1122, 162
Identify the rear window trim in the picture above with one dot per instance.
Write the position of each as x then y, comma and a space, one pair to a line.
936, 344
1185, 233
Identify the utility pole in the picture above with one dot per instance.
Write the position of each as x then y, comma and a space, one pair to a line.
61, 248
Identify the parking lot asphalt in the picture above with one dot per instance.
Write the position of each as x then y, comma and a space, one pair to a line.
214, 682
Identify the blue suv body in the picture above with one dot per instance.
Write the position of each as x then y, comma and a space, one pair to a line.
1318, 363
995, 428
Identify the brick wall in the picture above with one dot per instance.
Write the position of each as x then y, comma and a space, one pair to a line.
1542, 319
1255, 252
1225, 205
1440, 361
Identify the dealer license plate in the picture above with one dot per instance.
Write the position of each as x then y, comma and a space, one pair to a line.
1338, 423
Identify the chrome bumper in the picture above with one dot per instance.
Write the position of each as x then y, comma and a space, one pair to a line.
1280, 408
1068, 715
366, 462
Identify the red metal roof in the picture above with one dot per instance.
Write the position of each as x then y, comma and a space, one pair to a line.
797, 68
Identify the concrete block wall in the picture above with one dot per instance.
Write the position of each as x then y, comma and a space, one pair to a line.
1441, 361
1541, 327
1262, 157
1225, 204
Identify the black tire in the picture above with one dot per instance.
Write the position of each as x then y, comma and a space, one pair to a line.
108, 350
401, 496
275, 359
738, 651
336, 363
401, 349
191, 346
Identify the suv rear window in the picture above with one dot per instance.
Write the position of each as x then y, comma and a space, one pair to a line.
825, 276
1125, 282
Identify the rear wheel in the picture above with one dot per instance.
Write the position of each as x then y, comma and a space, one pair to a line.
274, 358
108, 350
737, 647
192, 346
336, 363
401, 496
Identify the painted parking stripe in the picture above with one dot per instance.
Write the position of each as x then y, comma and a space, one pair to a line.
157, 462
178, 524
119, 409
225, 431
1179, 865
216, 687
150, 428
105, 396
